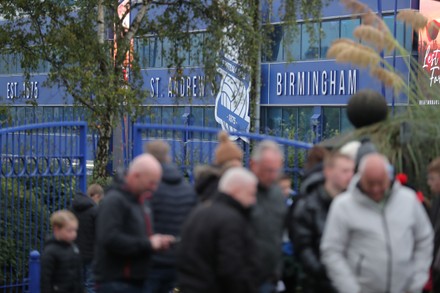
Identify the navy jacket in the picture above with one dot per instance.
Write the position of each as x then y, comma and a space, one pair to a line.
171, 204
86, 210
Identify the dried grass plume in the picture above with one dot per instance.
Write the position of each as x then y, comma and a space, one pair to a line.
381, 40
413, 17
355, 6
389, 79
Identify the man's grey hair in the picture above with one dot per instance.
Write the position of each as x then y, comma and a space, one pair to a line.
264, 146
364, 161
236, 177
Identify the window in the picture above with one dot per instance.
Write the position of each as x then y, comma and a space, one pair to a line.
48, 114
292, 43
274, 50
167, 115
274, 120
210, 118
309, 41
348, 26
345, 123
290, 116
331, 125
196, 54
149, 51
330, 32
304, 125
400, 31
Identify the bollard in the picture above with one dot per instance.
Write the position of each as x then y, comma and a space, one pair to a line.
34, 272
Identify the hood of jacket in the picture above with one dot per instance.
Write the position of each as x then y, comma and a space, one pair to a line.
171, 174
82, 202
311, 182
204, 175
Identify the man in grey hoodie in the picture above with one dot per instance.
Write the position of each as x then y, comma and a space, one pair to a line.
377, 237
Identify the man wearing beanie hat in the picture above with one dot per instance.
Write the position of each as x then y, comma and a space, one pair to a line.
227, 155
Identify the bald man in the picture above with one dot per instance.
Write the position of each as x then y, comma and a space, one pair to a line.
217, 250
125, 239
377, 238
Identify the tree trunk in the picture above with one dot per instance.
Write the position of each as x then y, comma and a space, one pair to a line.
102, 156
255, 92
101, 22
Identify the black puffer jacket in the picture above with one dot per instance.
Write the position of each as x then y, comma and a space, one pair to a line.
60, 268
171, 204
309, 218
122, 247
86, 210
217, 251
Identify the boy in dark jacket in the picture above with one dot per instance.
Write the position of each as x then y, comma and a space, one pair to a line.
85, 208
61, 261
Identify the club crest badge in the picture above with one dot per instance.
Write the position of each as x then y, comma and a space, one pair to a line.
232, 101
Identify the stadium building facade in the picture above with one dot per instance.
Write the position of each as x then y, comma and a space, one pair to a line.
302, 96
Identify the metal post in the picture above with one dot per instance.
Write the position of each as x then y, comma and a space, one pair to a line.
83, 159
394, 53
379, 12
34, 272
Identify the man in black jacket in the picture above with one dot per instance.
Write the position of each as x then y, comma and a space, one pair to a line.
216, 254
85, 208
171, 204
309, 217
124, 236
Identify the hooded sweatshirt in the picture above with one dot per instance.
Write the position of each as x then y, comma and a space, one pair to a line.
374, 247
86, 210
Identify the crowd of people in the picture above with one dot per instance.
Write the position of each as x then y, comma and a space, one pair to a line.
353, 227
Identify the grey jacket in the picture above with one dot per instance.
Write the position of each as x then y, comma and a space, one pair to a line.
268, 222
377, 248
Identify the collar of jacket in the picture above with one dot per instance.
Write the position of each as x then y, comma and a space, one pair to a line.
355, 190
230, 201
324, 195
122, 187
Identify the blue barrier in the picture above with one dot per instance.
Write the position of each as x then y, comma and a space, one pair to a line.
192, 146
41, 167
34, 272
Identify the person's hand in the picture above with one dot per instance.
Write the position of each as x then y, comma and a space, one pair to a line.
161, 242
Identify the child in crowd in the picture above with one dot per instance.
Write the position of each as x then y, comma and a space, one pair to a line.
61, 262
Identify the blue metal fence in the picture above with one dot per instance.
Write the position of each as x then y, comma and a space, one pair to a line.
192, 146
41, 167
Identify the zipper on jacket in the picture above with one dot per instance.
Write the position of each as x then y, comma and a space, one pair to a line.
359, 265
389, 250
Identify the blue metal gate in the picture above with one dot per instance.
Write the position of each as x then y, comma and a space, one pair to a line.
41, 167
192, 146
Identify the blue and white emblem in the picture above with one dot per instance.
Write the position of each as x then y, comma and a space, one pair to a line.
232, 102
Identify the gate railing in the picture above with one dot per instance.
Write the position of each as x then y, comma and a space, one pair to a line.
41, 167
191, 146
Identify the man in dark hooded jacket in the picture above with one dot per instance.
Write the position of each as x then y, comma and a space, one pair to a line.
171, 204
85, 208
